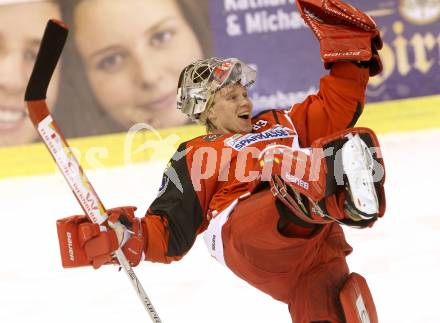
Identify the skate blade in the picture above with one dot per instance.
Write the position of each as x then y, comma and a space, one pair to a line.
357, 163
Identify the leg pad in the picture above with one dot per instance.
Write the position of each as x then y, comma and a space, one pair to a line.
357, 302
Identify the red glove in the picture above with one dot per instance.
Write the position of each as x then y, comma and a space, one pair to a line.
344, 33
83, 243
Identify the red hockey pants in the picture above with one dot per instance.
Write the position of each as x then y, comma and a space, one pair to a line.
307, 274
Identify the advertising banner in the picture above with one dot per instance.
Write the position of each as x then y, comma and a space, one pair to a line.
123, 57
271, 35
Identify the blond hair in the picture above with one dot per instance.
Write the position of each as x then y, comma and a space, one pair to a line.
203, 119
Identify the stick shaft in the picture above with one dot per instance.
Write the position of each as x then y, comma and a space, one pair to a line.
48, 56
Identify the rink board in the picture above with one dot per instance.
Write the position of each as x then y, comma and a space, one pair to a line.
121, 149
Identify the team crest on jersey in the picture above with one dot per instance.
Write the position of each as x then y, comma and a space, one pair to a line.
165, 181
242, 141
163, 185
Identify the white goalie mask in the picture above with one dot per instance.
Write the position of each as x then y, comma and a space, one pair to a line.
202, 79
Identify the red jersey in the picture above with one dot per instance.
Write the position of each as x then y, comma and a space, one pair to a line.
209, 172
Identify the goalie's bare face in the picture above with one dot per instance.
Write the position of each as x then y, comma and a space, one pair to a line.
231, 111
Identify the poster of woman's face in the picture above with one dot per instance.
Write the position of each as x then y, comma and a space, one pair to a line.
120, 67
21, 28
133, 67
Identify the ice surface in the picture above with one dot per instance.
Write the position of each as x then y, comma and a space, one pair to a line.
399, 256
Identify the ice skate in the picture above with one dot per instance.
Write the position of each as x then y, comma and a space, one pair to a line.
357, 163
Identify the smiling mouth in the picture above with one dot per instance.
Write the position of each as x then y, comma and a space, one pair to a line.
11, 116
245, 115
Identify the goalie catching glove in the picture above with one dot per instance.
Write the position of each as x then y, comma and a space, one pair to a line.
83, 243
344, 33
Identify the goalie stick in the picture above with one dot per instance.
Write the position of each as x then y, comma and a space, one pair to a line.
49, 53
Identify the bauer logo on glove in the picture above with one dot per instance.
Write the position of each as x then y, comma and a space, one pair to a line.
83, 243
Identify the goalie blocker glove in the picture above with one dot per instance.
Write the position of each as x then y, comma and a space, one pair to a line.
83, 243
339, 179
344, 33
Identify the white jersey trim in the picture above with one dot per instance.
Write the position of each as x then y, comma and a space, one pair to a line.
213, 234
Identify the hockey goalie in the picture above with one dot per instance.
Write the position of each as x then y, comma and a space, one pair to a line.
270, 192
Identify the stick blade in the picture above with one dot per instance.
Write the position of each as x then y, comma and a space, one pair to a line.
51, 46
